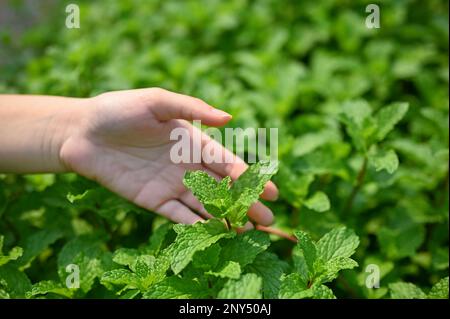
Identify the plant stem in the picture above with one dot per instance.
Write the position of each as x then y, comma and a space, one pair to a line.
276, 232
227, 223
356, 187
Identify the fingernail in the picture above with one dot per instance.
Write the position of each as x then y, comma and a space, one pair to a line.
221, 113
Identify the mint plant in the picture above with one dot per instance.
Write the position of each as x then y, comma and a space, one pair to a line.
316, 263
405, 290
231, 202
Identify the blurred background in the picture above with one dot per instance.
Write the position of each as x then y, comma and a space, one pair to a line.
286, 64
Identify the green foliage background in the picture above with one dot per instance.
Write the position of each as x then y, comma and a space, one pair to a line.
301, 66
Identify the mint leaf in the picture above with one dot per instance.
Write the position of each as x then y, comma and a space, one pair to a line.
365, 129
89, 255
359, 123
245, 247
13, 254
384, 160
323, 292
246, 190
120, 277
125, 256
214, 196
318, 202
146, 270
270, 268
340, 242
329, 270
177, 288
318, 263
150, 270
308, 247
229, 269
73, 198
207, 259
156, 241
248, 286
193, 238
388, 117
49, 286
402, 240
403, 290
293, 286
14, 282
439, 290
36, 243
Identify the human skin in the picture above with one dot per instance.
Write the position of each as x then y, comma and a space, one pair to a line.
121, 140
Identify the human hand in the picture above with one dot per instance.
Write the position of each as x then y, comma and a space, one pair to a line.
123, 143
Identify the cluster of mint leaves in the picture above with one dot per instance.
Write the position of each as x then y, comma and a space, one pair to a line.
223, 200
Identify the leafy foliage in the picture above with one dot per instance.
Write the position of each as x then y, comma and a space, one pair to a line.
363, 144
233, 202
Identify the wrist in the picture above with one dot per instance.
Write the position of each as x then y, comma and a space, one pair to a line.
33, 130
71, 123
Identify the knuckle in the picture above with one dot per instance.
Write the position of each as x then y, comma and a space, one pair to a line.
156, 94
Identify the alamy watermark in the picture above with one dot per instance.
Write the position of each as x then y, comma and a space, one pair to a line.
73, 16
373, 19
73, 279
373, 279
197, 146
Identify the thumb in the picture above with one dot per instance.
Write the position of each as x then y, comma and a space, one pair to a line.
169, 105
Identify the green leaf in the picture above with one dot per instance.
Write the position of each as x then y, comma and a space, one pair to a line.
329, 270
270, 268
323, 292
439, 290
359, 123
403, 290
120, 277
214, 196
308, 247
149, 270
193, 238
89, 255
207, 259
49, 286
229, 269
340, 242
401, 241
388, 117
245, 247
177, 288
294, 287
13, 254
146, 270
36, 243
157, 239
248, 286
384, 160
125, 256
246, 190
300, 265
14, 282
73, 198
318, 202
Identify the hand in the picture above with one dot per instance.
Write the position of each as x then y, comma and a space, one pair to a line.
123, 143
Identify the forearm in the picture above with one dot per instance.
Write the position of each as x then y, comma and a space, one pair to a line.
33, 129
